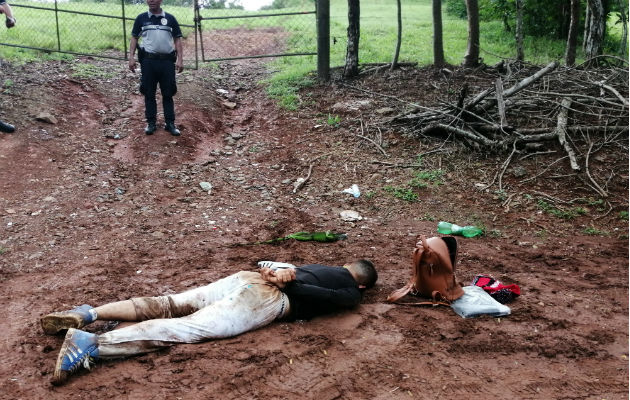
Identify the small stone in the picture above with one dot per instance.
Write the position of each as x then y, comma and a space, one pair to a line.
519, 172
350, 216
46, 117
205, 186
385, 110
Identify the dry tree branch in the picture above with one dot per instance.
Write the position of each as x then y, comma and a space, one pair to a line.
500, 102
544, 170
459, 132
500, 172
595, 186
614, 91
374, 143
505, 165
573, 129
299, 184
378, 146
395, 165
522, 84
561, 132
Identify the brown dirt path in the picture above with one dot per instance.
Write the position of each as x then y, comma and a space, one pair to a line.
87, 218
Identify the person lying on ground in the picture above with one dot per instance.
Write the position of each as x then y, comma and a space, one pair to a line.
239, 303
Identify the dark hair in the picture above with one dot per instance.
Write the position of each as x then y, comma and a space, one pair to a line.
365, 273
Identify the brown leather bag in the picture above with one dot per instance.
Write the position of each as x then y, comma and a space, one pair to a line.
433, 271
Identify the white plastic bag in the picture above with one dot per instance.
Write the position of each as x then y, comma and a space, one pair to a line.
477, 301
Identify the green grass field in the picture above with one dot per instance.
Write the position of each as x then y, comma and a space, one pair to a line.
83, 33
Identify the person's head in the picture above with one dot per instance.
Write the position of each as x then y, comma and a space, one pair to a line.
363, 272
154, 5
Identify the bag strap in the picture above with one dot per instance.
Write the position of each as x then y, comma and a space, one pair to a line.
398, 294
424, 303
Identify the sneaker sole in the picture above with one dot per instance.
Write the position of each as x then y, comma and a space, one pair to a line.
60, 376
53, 324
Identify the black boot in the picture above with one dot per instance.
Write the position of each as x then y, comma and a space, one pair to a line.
150, 128
6, 128
170, 126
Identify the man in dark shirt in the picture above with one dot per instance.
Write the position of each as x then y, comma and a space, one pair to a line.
228, 307
160, 54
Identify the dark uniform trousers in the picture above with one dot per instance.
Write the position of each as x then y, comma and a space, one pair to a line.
160, 71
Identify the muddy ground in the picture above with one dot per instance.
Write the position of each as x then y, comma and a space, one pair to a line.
93, 211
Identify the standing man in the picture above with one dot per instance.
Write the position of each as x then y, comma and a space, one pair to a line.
159, 55
5, 9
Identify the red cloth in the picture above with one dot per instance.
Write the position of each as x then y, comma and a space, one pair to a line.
500, 292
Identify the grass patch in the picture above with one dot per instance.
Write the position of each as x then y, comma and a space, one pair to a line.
285, 86
623, 215
420, 180
570, 213
370, 195
333, 120
87, 71
426, 178
591, 230
405, 194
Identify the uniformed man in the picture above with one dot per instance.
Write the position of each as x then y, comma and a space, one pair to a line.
5, 9
159, 55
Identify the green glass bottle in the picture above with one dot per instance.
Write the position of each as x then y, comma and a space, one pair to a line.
326, 236
447, 228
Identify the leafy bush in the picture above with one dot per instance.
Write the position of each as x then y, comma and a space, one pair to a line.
540, 17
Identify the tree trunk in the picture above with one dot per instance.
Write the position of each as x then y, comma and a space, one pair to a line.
438, 46
569, 55
587, 23
594, 43
520, 54
471, 59
352, 51
398, 37
623, 9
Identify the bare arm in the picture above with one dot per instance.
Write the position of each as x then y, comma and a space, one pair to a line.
133, 44
279, 277
179, 64
6, 10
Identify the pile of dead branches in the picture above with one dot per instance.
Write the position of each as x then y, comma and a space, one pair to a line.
532, 109
528, 107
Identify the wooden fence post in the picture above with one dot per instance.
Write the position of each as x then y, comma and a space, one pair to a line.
323, 40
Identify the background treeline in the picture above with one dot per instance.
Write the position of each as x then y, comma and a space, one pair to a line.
542, 17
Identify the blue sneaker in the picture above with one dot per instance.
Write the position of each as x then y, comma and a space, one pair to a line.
79, 349
75, 318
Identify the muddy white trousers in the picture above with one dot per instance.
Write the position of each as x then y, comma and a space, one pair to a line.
225, 308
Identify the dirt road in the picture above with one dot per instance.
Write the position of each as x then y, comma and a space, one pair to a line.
94, 211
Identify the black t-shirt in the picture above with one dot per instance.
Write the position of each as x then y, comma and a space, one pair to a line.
319, 289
